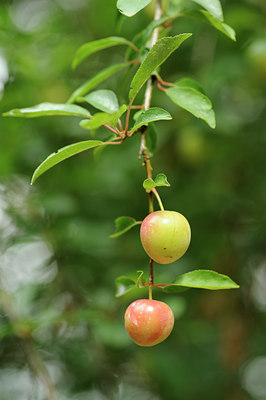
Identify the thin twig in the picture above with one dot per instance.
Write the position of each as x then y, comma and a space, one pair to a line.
115, 131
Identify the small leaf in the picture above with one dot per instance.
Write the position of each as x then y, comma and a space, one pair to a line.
150, 115
162, 49
63, 154
202, 279
222, 27
92, 47
141, 280
104, 100
193, 101
98, 120
151, 139
122, 225
160, 180
46, 109
96, 80
124, 285
213, 6
130, 8
206, 17
148, 184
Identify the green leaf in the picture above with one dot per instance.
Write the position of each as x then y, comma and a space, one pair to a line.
123, 224
151, 139
63, 154
130, 8
45, 109
202, 279
100, 119
148, 184
92, 47
193, 101
162, 49
150, 115
222, 27
104, 100
213, 6
96, 80
124, 285
140, 280
206, 17
160, 180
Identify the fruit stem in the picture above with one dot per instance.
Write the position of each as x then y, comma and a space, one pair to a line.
158, 198
150, 279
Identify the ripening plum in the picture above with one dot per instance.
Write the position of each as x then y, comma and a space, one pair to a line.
148, 322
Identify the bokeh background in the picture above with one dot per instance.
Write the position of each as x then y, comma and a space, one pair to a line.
57, 262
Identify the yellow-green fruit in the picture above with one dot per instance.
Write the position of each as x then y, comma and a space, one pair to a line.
165, 236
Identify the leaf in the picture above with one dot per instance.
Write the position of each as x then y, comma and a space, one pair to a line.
130, 8
193, 101
63, 154
96, 80
150, 115
45, 109
104, 100
202, 279
148, 184
151, 139
162, 49
206, 17
222, 27
92, 47
98, 120
140, 280
160, 180
213, 6
122, 225
124, 285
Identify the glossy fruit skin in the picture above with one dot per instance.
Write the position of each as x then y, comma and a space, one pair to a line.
148, 322
165, 236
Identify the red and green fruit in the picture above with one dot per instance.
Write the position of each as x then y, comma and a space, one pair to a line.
165, 236
148, 322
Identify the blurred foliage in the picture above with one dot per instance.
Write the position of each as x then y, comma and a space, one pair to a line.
57, 262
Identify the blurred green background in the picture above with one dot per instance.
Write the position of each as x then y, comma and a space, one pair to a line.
57, 263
